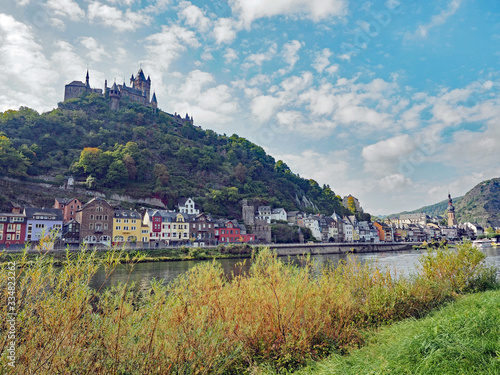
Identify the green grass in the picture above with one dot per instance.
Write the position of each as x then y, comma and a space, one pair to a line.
460, 338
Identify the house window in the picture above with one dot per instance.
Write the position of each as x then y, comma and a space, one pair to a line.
133, 228
105, 226
91, 226
91, 217
118, 227
1, 226
118, 220
8, 237
125, 220
18, 227
9, 227
1, 236
125, 228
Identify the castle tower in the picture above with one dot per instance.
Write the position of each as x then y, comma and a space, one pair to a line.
154, 103
452, 221
114, 95
141, 83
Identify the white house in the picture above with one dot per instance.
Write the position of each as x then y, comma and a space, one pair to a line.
279, 214
313, 224
187, 206
264, 213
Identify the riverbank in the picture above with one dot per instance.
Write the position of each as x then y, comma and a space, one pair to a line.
171, 254
460, 338
277, 315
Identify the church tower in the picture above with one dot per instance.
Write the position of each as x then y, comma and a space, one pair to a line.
154, 103
452, 221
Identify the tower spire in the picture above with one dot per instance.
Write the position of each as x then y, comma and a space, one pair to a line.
87, 77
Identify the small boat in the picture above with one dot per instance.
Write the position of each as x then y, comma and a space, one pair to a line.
482, 244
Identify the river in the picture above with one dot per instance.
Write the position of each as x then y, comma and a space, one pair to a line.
401, 262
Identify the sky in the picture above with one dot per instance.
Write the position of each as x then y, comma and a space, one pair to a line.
395, 102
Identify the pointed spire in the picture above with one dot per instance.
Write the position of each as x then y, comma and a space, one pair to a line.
153, 100
87, 78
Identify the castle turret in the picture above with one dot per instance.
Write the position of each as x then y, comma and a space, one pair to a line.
154, 103
114, 95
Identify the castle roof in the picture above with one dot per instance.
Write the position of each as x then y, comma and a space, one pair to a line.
76, 83
131, 90
153, 100
140, 75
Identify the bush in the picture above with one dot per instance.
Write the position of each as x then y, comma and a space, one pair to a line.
277, 313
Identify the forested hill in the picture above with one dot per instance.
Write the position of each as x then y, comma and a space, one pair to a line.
135, 152
481, 204
437, 209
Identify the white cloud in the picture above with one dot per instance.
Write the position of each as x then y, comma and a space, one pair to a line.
201, 97
224, 31
395, 182
261, 57
326, 168
264, 106
382, 157
194, 17
66, 8
230, 55
291, 52
95, 51
30, 76
164, 47
436, 20
322, 60
316, 10
22, 2
114, 18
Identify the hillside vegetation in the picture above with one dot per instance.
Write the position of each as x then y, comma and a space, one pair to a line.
135, 152
481, 204
437, 209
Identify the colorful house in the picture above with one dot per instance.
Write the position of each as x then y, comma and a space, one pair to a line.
127, 227
69, 207
12, 229
96, 222
228, 231
41, 222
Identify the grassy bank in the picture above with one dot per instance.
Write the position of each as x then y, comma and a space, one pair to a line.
169, 254
461, 338
277, 315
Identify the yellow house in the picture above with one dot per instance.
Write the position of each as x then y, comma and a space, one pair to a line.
127, 227
180, 228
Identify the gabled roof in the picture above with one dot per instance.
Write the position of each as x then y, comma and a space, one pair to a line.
46, 213
96, 199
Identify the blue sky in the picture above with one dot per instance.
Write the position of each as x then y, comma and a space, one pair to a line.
394, 102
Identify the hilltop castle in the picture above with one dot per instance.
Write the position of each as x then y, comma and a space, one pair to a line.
138, 91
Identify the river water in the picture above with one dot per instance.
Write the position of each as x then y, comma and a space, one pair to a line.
400, 262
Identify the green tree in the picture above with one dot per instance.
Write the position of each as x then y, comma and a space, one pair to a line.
117, 174
240, 172
12, 162
161, 174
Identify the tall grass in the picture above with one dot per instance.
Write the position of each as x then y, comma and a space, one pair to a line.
277, 314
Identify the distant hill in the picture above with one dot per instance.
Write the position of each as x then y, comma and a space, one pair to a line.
481, 204
137, 153
437, 209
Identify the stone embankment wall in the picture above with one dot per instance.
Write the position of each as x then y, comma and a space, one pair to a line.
337, 248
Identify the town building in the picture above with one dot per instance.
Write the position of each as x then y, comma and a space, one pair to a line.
127, 227
188, 206
12, 229
69, 206
43, 223
96, 222
202, 230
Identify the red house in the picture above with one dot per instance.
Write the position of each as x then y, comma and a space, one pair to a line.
228, 231
12, 229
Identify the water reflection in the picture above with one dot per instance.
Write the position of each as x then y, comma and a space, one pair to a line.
399, 262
